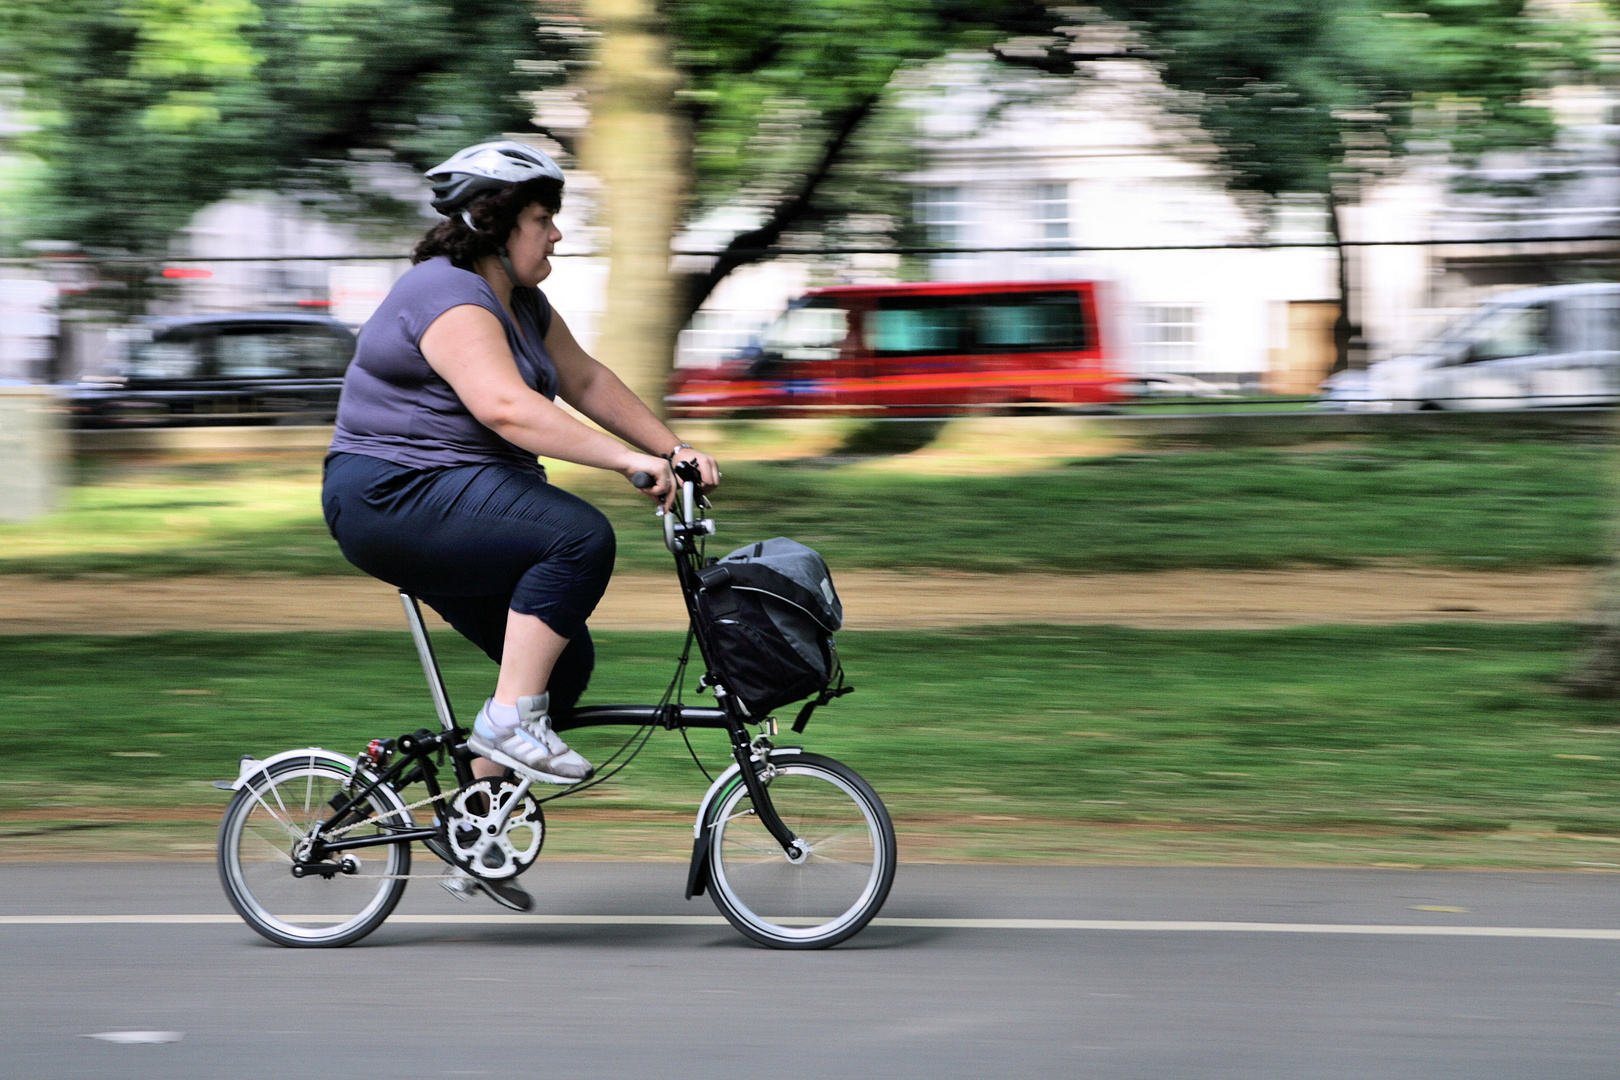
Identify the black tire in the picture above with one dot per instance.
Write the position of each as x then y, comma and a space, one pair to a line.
265, 822
832, 891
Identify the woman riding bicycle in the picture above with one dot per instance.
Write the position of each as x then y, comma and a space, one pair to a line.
432, 482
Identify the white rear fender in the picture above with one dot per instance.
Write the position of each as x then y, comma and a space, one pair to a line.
250, 767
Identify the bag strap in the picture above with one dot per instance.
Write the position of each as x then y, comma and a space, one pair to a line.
715, 583
827, 694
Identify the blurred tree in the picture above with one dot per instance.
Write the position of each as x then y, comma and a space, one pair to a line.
146, 110
767, 109
786, 106
638, 148
1325, 96
1298, 96
1597, 674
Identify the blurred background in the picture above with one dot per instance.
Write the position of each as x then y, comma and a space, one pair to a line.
1206, 408
1211, 320
1267, 194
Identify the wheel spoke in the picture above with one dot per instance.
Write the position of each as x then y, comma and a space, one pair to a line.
291, 830
279, 854
818, 899
256, 862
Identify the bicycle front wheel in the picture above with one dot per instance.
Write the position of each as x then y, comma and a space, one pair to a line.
265, 833
828, 892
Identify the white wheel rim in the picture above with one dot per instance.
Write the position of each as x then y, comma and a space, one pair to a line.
281, 925
782, 927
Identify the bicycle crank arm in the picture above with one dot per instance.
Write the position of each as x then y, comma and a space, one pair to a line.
524, 784
327, 870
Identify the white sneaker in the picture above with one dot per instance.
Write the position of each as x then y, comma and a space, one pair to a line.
530, 747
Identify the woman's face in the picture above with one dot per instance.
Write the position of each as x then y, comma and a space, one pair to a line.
530, 243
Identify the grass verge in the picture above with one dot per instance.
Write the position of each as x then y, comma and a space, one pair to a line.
1414, 745
1457, 503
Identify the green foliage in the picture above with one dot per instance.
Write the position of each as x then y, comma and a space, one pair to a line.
1418, 729
1297, 93
147, 110
1444, 502
767, 85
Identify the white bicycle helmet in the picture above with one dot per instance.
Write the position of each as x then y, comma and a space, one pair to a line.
470, 173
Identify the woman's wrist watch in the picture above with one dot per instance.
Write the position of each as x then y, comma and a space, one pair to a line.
680, 446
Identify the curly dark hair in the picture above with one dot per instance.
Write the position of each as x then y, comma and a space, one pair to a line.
495, 215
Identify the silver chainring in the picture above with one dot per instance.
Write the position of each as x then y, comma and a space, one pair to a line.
486, 850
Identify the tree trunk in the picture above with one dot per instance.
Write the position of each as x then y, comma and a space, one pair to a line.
1344, 329
745, 248
1597, 674
638, 146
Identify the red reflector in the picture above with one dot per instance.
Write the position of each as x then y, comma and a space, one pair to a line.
314, 303
185, 272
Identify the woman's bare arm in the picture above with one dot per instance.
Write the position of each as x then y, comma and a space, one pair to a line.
591, 387
467, 347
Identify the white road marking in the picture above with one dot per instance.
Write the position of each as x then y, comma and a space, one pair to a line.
134, 1037
1140, 925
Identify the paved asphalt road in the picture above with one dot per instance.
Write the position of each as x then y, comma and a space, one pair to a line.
930, 998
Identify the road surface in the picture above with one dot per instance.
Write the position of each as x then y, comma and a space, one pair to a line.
1122, 973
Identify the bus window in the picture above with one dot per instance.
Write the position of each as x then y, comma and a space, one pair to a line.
1024, 322
813, 332
987, 323
919, 327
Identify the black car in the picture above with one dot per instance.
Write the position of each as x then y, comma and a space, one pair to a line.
240, 368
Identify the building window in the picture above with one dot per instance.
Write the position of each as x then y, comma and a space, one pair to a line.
1050, 212
944, 212
1169, 337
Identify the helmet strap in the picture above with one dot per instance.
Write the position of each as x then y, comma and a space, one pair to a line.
506, 264
506, 260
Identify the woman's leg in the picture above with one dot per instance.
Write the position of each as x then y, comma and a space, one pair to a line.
530, 651
513, 563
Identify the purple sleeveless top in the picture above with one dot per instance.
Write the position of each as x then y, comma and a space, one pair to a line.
395, 407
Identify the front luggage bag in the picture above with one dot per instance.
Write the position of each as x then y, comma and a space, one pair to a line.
769, 611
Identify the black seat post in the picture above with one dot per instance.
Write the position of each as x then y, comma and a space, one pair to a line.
430, 664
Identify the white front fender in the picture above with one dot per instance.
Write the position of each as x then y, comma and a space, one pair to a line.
720, 782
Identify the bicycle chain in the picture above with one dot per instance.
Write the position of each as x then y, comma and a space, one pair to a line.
402, 810
448, 796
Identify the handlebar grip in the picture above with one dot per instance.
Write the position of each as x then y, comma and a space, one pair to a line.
642, 480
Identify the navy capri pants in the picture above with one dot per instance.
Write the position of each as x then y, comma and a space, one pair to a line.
473, 541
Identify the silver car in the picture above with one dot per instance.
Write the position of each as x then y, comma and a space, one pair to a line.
1535, 348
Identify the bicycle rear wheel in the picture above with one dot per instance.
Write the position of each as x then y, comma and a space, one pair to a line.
265, 826
830, 892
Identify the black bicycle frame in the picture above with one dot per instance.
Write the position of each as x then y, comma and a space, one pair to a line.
742, 748
416, 750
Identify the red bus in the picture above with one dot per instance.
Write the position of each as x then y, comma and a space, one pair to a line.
928, 349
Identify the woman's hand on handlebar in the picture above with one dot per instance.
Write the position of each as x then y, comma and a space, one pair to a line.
708, 468
664, 487
651, 476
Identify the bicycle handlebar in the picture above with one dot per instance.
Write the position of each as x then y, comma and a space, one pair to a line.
686, 471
